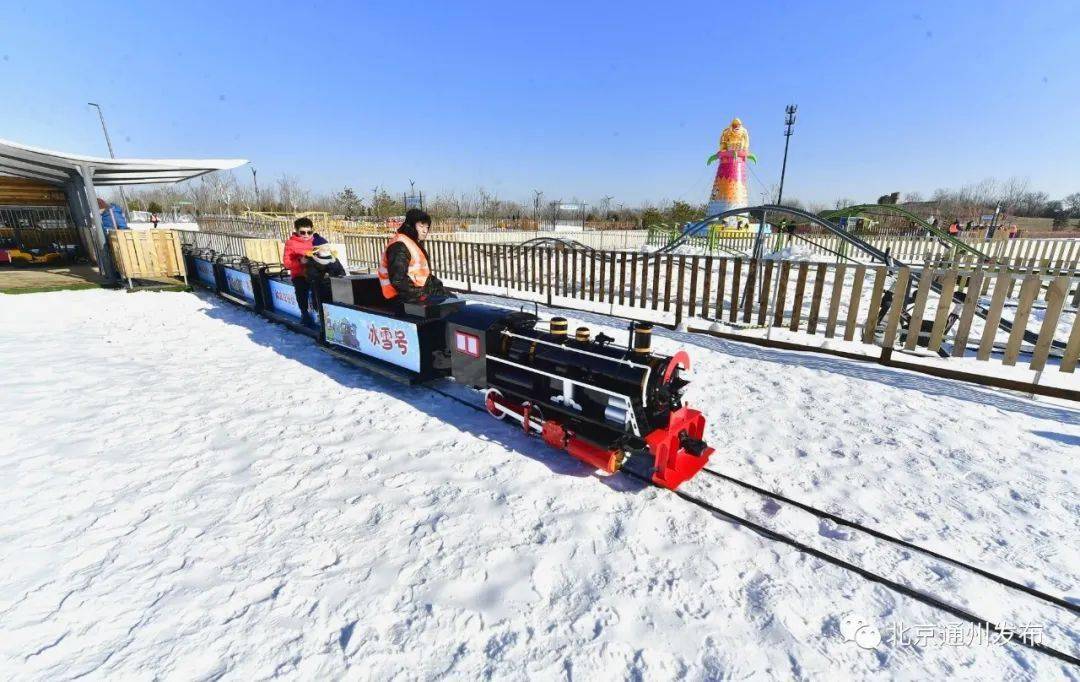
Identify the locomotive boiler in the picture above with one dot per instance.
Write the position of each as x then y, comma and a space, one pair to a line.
613, 407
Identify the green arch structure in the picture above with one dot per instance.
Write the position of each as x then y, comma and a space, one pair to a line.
941, 235
826, 221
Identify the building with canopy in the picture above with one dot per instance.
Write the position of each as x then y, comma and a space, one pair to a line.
38, 182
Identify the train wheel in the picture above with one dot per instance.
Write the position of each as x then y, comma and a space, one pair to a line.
489, 402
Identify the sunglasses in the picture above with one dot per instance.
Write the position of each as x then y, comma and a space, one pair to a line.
306, 232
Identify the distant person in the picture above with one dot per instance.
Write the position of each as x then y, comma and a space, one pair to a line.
295, 258
954, 227
787, 228
112, 216
321, 265
404, 272
1014, 231
154, 220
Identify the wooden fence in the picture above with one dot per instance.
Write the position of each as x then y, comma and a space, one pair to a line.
828, 300
232, 244
280, 227
269, 251
141, 254
802, 301
1062, 254
1058, 254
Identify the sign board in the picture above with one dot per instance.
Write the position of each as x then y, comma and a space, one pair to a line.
283, 300
238, 283
204, 272
414, 202
383, 338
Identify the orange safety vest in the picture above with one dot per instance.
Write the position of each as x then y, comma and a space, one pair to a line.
419, 271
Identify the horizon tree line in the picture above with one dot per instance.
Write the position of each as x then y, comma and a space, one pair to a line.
222, 193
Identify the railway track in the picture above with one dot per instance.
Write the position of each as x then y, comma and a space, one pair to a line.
822, 514
894, 585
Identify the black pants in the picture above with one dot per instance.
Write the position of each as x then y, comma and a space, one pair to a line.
302, 290
320, 289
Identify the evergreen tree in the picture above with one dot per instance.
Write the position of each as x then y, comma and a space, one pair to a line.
384, 206
347, 203
682, 212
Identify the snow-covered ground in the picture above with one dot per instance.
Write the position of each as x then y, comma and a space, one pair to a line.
191, 492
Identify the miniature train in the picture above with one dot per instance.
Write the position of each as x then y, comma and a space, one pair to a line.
612, 407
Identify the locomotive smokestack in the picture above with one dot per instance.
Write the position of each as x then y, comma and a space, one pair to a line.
642, 338
559, 327
582, 334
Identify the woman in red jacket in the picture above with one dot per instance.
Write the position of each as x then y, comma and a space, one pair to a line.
297, 248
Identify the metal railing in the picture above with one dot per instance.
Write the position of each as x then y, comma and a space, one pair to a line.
45, 228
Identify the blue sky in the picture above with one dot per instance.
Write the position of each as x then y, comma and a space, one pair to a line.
576, 99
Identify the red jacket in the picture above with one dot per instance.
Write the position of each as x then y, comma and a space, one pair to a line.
295, 250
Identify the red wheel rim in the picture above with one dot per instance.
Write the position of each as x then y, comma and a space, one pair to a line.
489, 403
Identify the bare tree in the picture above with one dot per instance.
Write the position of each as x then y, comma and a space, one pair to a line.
1071, 203
290, 194
1012, 192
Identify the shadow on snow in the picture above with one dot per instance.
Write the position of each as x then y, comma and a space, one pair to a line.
304, 350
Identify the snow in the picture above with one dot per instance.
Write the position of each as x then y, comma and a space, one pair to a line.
194, 492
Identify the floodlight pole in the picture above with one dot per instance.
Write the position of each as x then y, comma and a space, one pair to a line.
789, 123
112, 154
536, 206
993, 222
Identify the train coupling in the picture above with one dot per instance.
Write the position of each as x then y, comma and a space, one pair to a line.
695, 446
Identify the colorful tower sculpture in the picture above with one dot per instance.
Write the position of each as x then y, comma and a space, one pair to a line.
731, 187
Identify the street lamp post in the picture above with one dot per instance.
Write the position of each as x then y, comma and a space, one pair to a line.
789, 123
255, 179
112, 154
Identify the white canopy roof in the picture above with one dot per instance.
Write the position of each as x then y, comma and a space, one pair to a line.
55, 167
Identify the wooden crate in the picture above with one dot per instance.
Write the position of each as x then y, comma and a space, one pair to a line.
147, 253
